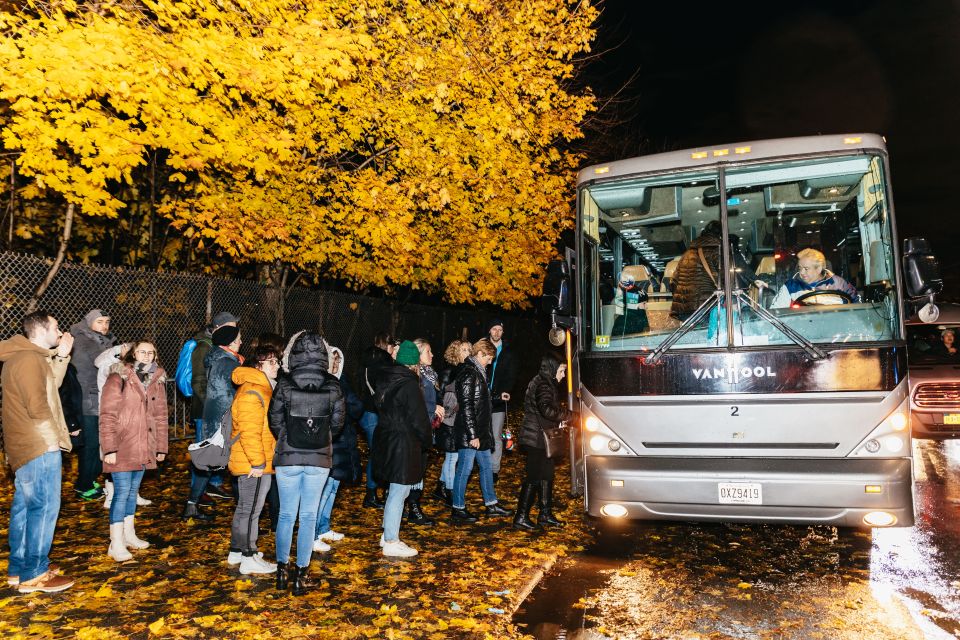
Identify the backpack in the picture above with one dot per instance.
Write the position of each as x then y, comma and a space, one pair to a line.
213, 453
184, 372
308, 419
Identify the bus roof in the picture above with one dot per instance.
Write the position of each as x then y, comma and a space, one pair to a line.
731, 153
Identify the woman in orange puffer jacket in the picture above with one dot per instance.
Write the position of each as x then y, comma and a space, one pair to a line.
251, 457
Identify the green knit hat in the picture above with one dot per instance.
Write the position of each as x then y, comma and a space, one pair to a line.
408, 353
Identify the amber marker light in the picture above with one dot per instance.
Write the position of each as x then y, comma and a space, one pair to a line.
873, 488
698, 155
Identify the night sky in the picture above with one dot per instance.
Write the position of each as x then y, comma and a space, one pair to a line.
718, 72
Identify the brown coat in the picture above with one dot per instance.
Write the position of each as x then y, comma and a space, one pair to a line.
33, 421
256, 445
133, 419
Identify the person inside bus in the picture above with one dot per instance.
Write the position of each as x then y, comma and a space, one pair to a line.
630, 297
947, 339
812, 275
698, 275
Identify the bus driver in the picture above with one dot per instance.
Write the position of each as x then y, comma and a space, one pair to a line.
811, 275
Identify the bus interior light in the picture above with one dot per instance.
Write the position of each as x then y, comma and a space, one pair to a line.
616, 483
613, 510
880, 519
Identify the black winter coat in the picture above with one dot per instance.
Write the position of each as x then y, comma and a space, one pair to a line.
346, 457
474, 416
503, 372
374, 360
71, 399
307, 362
403, 434
448, 396
541, 409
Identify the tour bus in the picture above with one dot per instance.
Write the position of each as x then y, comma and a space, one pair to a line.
793, 408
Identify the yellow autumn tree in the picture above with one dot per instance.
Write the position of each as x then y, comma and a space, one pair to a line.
417, 144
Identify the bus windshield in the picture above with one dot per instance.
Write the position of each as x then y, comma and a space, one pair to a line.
811, 250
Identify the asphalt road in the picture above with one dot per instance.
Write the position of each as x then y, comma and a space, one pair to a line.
685, 580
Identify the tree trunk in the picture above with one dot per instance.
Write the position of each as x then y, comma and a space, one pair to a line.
274, 275
34, 301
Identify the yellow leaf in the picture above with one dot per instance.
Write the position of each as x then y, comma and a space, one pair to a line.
156, 626
104, 592
744, 585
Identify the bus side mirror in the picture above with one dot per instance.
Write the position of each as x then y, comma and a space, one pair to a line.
555, 300
921, 272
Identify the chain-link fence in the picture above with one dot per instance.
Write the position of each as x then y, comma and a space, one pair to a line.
169, 308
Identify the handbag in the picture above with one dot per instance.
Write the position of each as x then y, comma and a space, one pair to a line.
554, 441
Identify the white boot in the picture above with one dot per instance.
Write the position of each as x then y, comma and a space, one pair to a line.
118, 551
130, 538
143, 502
107, 494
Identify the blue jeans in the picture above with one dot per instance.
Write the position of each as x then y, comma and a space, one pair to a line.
465, 459
449, 469
33, 515
393, 510
368, 421
300, 488
125, 487
327, 499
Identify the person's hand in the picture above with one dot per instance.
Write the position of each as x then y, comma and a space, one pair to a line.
75, 433
760, 284
255, 473
125, 348
161, 457
475, 443
110, 458
505, 396
440, 413
65, 346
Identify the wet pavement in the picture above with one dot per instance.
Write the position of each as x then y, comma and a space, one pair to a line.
687, 580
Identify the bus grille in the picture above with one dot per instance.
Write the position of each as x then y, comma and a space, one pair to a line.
935, 395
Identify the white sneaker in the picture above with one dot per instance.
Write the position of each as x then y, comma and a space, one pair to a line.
398, 549
320, 546
255, 564
143, 502
234, 558
331, 536
382, 541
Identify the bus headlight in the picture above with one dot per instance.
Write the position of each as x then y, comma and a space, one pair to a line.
898, 421
597, 443
599, 439
592, 424
891, 437
893, 443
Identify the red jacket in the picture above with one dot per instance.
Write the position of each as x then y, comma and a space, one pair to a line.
133, 419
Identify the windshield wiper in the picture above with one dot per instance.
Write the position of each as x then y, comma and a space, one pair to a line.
688, 324
812, 350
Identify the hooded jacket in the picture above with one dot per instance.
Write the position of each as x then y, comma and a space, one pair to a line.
220, 364
256, 445
133, 418
373, 361
474, 417
541, 406
403, 434
87, 345
33, 422
307, 383
346, 457
198, 371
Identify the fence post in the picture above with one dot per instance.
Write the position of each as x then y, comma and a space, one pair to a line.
209, 302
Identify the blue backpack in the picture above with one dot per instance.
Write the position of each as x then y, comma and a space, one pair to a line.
184, 373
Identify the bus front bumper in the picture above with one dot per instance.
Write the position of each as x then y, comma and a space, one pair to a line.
839, 491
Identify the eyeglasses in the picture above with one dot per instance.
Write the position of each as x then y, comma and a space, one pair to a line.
270, 361
146, 353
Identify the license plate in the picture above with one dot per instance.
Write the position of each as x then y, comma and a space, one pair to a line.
951, 418
740, 493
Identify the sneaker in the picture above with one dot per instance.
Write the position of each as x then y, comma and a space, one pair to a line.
398, 549
382, 541
256, 564
49, 582
90, 495
330, 536
14, 581
143, 502
234, 558
320, 546
219, 492
205, 500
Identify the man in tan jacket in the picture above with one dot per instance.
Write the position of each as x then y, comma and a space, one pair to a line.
34, 433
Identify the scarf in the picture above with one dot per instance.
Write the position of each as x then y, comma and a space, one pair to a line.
145, 371
483, 370
426, 371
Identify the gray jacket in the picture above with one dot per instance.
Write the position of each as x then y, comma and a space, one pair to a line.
88, 344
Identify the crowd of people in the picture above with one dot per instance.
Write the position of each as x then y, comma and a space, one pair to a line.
291, 421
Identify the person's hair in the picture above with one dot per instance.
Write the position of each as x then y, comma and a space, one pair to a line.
272, 340
384, 340
549, 364
264, 352
130, 358
421, 344
813, 254
946, 331
34, 323
452, 353
485, 347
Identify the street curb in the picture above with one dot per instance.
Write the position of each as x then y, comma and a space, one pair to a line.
534, 580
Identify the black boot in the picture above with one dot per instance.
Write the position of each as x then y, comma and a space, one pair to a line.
370, 500
283, 574
521, 520
496, 477
192, 511
439, 492
546, 519
496, 511
301, 581
415, 514
448, 496
462, 516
